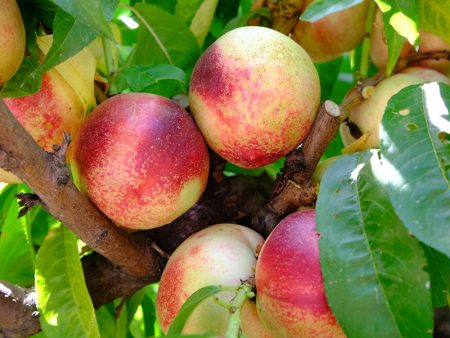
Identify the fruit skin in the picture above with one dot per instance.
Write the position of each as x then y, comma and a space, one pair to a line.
333, 35
251, 324
254, 94
12, 39
291, 298
46, 115
142, 160
222, 254
427, 43
368, 114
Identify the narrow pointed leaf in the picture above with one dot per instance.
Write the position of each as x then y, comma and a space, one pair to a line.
17, 256
189, 305
415, 147
319, 9
372, 268
89, 12
63, 300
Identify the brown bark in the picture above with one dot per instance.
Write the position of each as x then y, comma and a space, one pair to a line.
294, 187
21, 155
18, 313
284, 14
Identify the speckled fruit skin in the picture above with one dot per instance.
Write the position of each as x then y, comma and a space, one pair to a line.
254, 94
428, 43
333, 35
222, 254
12, 39
46, 115
251, 324
142, 160
368, 114
291, 298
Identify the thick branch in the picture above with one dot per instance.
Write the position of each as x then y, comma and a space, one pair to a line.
294, 187
21, 155
231, 199
18, 313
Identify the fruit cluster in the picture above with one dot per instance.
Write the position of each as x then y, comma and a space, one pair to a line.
143, 160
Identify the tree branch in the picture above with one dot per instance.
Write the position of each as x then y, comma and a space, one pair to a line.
21, 155
294, 187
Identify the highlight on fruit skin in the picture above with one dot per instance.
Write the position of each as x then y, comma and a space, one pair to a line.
221, 254
360, 131
290, 296
46, 115
427, 43
254, 94
12, 39
141, 160
333, 35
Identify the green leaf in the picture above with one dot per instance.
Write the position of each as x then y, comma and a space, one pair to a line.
439, 270
186, 9
395, 43
17, 256
174, 43
140, 77
415, 150
319, 9
203, 19
403, 16
70, 35
63, 300
106, 323
189, 305
435, 17
89, 12
7, 196
242, 20
26, 81
368, 257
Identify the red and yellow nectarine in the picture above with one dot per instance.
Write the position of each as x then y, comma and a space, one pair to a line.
333, 35
142, 160
254, 94
46, 115
222, 254
12, 39
290, 295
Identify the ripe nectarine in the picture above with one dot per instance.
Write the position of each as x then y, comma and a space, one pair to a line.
12, 39
254, 94
142, 160
333, 35
222, 254
365, 119
290, 295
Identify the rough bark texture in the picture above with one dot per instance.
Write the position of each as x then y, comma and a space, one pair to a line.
20, 154
18, 313
294, 188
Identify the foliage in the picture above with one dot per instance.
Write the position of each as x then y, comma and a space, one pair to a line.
383, 215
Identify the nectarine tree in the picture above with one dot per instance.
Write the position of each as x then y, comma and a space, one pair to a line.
176, 168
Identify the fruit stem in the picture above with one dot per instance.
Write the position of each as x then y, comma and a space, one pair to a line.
234, 324
365, 53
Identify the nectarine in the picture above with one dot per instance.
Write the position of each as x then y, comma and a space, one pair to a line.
46, 115
290, 295
142, 160
364, 120
222, 254
333, 35
12, 39
254, 94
